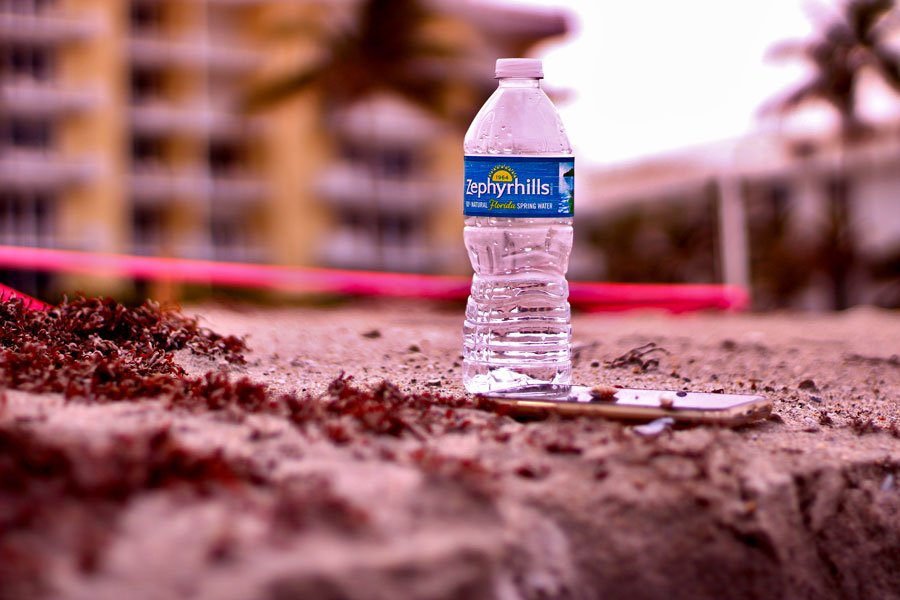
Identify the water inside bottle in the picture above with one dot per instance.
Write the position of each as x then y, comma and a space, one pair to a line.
517, 327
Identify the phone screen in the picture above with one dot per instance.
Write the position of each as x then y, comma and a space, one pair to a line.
679, 400
579, 394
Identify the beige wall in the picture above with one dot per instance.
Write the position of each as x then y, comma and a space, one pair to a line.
294, 145
92, 214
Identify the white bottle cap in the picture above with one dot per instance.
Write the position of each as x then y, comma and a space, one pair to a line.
519, 67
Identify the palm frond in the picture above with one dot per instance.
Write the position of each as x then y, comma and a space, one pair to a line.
814, 89
820, 14
387, 48
863, 15
888, 64
316, 30
790, 49
282, 88
847, 44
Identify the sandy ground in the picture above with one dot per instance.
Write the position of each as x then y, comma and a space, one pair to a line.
805, 504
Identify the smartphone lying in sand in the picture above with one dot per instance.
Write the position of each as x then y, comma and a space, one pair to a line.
543, 400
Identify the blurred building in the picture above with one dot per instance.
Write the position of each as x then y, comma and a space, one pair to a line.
802, 222
122, 131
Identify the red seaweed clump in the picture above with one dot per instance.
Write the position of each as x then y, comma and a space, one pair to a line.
346, 409
97, 349
215, 391
49, 486
465, 473
32, 467
310, 500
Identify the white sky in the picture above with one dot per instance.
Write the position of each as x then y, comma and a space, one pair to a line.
655, 75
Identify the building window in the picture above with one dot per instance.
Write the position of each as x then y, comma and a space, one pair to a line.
24, 61
147, 230
32, 134
398, 230
146, 15
225, 157
228, 234
26, 219
393, 163
146, 85
779, 198
146, 151
351, 219
25, 7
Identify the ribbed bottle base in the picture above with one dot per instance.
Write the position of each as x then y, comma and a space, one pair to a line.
501, 350
485, 377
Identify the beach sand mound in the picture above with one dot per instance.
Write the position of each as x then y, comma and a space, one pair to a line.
300, 473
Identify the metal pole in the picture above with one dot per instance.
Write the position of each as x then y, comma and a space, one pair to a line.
733, 247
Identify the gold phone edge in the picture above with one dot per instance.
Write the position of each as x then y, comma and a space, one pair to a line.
729, 417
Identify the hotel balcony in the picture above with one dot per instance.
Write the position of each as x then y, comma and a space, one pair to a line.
225, 192
347, 185
235, 3
350, 248
387, 121
33, 171
239, 253
149, 186
29, 98
165, 119
237, 191
51, 28
203, 251
158, 52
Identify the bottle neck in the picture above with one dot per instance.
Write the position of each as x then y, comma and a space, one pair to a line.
519, 82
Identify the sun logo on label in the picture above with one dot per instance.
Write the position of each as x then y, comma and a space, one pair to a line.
502, 174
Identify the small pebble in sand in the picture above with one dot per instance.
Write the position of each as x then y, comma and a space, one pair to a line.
807, 384
666, 402
603, 392
654, 428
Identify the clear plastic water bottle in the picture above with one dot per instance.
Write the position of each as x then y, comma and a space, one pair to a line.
518, 206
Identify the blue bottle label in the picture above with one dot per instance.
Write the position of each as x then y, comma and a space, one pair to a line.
519, 186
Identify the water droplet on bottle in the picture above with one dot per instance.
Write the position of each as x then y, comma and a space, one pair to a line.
520, 280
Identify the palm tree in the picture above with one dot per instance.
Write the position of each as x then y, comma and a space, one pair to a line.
386, 47
371, 51
851, 42
431, 55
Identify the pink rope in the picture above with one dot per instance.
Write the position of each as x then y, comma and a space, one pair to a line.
7, 293
593, 296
